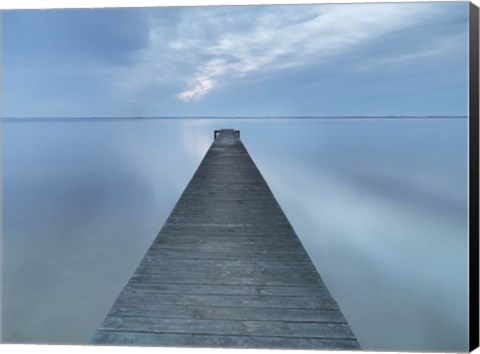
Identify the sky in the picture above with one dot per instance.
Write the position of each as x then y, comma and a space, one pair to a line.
297, 60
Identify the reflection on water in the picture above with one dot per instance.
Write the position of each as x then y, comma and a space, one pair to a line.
380, 205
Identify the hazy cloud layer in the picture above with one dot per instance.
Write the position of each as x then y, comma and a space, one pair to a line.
218, 47
282, 60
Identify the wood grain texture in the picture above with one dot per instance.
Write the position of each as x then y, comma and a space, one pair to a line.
227, 270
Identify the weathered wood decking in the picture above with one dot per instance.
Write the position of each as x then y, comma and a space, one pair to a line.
227, 270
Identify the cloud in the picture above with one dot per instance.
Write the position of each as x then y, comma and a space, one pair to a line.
202, 86
439, 47
197, 51
283, 38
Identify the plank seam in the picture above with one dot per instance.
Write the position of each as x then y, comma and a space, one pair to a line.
227, 335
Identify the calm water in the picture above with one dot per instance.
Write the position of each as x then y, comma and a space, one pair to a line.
380, 205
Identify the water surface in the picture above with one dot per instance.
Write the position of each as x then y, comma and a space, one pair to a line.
379, 204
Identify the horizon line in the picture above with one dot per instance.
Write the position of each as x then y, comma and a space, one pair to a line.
113, 118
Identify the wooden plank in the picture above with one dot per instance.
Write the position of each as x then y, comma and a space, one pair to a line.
224, 229
160, 278
232, 241
139, 297
207, 264
244, 226
232, 247
232, 289
226, 235
227, 270
229, 313
228, 327
176, 253
208, 341
244, 252
231, 272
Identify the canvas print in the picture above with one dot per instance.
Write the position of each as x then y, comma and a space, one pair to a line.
281, 176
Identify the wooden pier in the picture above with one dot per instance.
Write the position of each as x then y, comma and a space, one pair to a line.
227, 270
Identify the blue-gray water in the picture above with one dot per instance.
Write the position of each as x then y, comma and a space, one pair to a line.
380, 205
